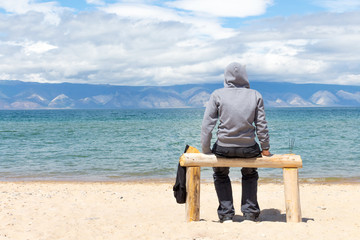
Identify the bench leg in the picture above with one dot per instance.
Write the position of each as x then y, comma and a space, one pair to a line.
192, 206
292, 196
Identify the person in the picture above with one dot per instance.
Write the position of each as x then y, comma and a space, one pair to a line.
241, 115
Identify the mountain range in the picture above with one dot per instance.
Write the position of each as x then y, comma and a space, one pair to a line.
32, 95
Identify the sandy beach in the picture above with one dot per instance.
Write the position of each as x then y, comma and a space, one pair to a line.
147, 210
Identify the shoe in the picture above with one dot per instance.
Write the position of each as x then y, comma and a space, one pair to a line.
226, 220
251, 217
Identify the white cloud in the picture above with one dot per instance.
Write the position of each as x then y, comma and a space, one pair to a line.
5, 76
34, 77
348, 79
142, 11
339, 6
135, 43
224, 8
95, 2
153, 14
51, 10
281, 56
38, 47
29, 47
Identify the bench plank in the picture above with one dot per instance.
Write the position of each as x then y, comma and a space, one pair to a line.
210, 160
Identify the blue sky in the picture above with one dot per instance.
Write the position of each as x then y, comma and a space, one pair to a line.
144, 42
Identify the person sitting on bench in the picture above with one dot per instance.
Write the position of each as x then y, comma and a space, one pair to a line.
241, 115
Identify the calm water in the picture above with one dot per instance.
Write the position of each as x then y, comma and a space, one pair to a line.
117, 145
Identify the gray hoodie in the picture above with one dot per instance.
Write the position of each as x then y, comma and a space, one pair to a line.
240, 111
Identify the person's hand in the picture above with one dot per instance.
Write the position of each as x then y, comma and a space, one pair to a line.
265, 152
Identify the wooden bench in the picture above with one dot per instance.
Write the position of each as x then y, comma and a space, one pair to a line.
290, 164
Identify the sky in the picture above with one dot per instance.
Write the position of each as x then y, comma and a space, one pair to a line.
172, 42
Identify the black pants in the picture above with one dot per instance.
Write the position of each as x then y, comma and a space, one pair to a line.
222, 181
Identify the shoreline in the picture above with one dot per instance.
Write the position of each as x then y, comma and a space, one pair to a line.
262, 180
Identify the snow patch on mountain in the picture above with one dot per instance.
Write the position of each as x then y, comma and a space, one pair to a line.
200, 99
3, 96
189, 93
161, 102
349, 96
276, 103
86, 100
103, 99
61, 101
297, 101
25, 105
324, 98
38, 99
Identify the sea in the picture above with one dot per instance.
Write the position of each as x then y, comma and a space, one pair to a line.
145, 144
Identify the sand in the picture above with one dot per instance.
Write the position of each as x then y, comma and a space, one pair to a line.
71, 210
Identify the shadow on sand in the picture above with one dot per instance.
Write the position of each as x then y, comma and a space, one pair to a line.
270, 215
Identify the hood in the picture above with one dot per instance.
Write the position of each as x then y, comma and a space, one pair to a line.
236, 76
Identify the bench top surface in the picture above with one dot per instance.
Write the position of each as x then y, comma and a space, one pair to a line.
210, 160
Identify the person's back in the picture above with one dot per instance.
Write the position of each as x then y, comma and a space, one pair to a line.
240, 111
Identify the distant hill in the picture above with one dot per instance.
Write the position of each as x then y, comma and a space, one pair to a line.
29, 95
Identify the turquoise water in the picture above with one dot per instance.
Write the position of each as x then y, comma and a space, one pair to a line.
122, 145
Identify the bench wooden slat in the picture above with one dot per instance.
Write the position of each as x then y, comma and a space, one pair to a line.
210, 160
